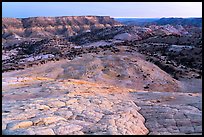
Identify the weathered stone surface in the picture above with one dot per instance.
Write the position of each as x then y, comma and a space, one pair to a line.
44, 131
64, 113
42, 107
23, 116
71, 101
183, 122
170, 118
77, 133
97, 112
56, 104
186, 129
19, 124
3, 125
68, 129
16, 132
48, 120
198, 129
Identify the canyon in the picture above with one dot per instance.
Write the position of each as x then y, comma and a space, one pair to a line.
92, 75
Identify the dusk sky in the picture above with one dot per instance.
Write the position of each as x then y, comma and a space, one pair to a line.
113, 9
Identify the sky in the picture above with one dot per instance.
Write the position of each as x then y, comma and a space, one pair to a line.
113, 9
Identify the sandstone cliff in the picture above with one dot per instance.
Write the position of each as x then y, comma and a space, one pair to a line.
34, 27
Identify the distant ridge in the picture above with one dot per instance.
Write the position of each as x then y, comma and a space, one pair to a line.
197, 22
35, 27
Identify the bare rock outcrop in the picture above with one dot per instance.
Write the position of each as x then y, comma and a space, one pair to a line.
50, 26
77, 107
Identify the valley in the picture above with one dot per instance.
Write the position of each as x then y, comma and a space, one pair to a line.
92, 75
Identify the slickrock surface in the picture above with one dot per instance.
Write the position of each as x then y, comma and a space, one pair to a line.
92, 75
39, 106
61, 98
108, 68
169, 113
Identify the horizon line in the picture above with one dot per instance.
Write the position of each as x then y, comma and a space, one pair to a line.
161, 17
106, 16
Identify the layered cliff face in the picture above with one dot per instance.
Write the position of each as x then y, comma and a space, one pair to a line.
35, 27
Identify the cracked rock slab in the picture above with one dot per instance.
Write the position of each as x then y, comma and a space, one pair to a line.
73, 112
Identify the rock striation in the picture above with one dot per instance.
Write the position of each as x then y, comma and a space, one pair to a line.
90, 75
49, 26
